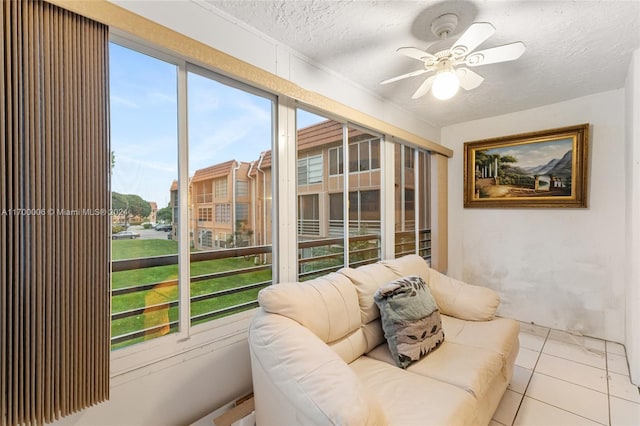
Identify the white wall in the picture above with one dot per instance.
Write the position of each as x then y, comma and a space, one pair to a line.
561, 268
632, 91
176, 391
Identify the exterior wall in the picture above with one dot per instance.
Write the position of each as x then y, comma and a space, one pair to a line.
561, 268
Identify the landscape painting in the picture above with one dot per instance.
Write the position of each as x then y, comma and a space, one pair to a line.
540, 169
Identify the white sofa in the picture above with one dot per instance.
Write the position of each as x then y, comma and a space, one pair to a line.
319, 356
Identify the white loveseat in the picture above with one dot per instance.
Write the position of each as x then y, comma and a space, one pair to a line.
319, 356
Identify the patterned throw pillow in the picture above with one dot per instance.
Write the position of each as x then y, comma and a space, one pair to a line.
410, 319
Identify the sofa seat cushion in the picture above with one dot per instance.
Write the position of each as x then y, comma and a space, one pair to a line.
410, 399
469, 368
499, 335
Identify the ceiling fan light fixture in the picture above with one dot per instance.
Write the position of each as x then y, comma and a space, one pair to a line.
446, 84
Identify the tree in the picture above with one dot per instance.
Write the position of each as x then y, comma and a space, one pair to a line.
133, 204
164, 214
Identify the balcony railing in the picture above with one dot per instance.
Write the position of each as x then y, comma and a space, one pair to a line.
204, 198
319, 257
222, 282
308, 227
405, 243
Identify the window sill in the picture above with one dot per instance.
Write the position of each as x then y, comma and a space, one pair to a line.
159, 351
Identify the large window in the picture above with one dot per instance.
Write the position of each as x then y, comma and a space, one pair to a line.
230, 129
412, 202
144, 143
203, 144
229, 140
325, 240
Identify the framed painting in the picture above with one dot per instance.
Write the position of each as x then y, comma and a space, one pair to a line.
540, 169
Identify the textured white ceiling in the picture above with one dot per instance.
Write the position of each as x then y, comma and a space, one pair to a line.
574, 48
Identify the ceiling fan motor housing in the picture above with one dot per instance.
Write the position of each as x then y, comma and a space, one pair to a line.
444, 25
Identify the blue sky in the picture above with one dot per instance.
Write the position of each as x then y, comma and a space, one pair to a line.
224, 123
536, 154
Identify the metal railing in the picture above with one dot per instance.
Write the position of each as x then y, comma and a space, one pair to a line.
321, 256
308, 227
405, 243
246, 280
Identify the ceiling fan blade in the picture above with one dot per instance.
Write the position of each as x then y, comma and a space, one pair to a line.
468, 79
472, 38
424, 87
508, 52
415, 53
410, 74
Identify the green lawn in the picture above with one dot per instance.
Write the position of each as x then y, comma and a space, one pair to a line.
127, 249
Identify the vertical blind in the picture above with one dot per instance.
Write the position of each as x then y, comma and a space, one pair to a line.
54, 218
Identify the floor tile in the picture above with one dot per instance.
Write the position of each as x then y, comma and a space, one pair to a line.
617, 364
616, 348
520, 379
576, 339
592, 357
531, 341
620, 385
574, 372
536, 413
527, 358
624, 413
508, 407
534, 329
570, 397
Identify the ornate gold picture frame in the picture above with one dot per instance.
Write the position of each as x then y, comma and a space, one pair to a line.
547, 168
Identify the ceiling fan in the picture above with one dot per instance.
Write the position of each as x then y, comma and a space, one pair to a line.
450, 65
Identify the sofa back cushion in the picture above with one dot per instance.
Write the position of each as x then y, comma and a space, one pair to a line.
408, 265
327, 306
453, 297
367, 279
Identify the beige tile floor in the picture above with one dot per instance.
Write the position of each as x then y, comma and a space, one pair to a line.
562, 379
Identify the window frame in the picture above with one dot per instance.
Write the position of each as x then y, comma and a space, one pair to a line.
219, 332
228, 330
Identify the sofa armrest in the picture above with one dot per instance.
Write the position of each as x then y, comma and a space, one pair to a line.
461, 300
313, 379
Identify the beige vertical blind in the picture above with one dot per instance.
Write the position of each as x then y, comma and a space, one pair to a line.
54, 219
